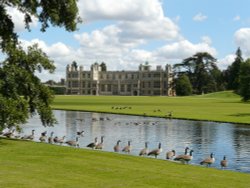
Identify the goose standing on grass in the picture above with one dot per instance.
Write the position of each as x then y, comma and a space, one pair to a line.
180, 157
223, 162
156, 152
73, 142
127, 148
29, 137
170, 154
43, 137
100, 145
187, 158
50, 139
9, 134
145, 150
117, 146
93, 144
208, 161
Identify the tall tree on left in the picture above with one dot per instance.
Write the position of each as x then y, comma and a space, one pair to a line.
21, 92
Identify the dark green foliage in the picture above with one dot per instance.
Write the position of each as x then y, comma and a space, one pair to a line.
21, 92
183, 86
245, 80
201, 69
62, 13
233, 72
58, 90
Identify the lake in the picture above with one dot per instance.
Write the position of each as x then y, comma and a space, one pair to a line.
222, 139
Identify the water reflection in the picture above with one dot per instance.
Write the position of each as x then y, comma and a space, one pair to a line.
203, 137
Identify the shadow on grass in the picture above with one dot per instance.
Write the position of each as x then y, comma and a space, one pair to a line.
241, 115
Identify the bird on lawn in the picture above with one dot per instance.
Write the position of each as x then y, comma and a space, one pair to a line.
223, 162
180, 157
145, 150
156, 152
29, 137
73, 142
93, 144
127, 148
170, 154
117, 146
100, 145
208, 161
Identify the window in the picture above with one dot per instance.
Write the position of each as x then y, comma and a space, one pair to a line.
102, 87
109, 88
75, 84
157, 75
122, 88
129, 87
157, 84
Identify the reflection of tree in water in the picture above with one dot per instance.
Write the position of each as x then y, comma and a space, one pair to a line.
242, 141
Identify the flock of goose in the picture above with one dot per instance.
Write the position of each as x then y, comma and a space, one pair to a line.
170, 155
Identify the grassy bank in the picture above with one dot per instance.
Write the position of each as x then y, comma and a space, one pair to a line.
221, 106
29, 164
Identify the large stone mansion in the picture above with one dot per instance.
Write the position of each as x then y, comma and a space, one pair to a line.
99, 81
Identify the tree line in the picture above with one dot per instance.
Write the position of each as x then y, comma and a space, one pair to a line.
199, 74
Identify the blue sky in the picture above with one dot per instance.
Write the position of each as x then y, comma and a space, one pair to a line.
127, 33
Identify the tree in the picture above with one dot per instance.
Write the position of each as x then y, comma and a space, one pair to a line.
233, 71
199, 70
245, 80
21, 92
183, 86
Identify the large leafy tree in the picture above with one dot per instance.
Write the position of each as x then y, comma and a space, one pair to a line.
183, 86
199, 68
21, 92
233, 72
244, 80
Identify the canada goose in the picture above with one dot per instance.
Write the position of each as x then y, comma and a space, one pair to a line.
43, 136
208, 161
92, 144
80, 133
50, 139
59, 140
156, 152
73, 142
144, 151
180, 157
117, 146
9, 134
127, 148
187, 158
29, 137
170, 154
100, 145
223, 163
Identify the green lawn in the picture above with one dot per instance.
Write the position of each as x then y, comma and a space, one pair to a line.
29, 164
221, 106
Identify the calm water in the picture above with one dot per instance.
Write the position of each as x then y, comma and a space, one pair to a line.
203, 137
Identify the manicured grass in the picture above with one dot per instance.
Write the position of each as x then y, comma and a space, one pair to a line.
28, 164
222, 106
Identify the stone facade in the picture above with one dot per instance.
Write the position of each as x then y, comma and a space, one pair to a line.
100, 81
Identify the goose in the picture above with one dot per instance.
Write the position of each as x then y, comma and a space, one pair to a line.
144, 151
100, 145
223, 162
50, 139
156, 152
170, 154
180, 157
117, 146
92, 144
9, 134
43, 136
73, 142
187, 158
208, 161
127, 148
29, 137
59, 140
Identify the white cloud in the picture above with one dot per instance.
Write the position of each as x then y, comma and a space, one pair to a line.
206, 39
199, 17
18, 19
242, 40
236, 18
226, 61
